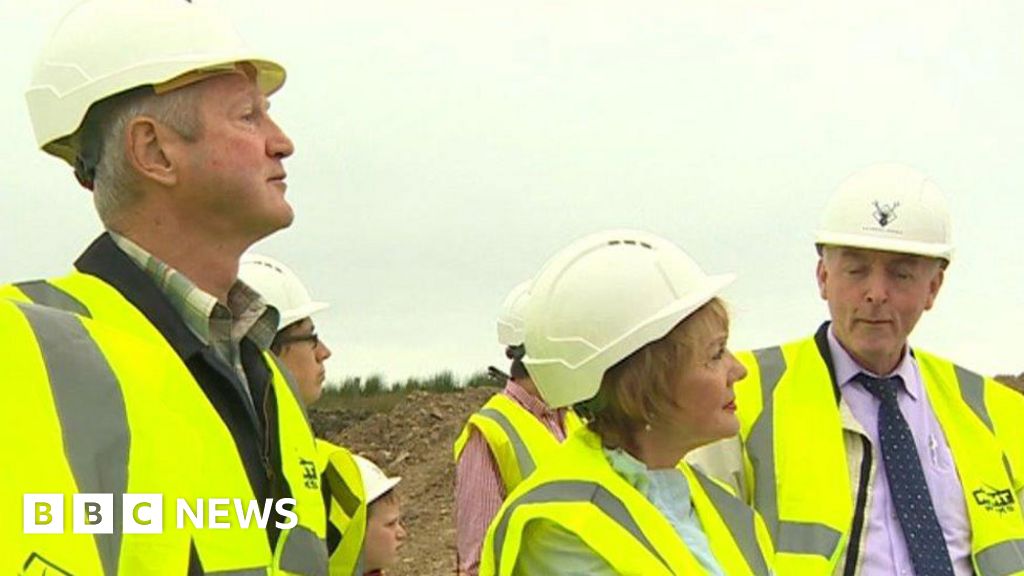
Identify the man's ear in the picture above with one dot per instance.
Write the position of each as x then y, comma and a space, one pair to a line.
150, 148
821, 273
933, 286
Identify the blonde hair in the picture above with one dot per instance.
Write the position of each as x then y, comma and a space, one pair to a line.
639, 389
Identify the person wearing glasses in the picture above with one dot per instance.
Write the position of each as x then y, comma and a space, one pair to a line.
303, 353
296, 343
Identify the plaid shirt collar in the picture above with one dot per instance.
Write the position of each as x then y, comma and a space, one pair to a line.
246, 313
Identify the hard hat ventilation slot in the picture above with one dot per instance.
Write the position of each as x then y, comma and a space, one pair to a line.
630, 243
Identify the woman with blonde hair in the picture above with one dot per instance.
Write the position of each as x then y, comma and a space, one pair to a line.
626, 327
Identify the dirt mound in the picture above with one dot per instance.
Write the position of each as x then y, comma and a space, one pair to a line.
1015, 382
413, 440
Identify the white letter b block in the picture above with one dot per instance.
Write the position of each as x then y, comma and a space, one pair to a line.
93, 514
43, 514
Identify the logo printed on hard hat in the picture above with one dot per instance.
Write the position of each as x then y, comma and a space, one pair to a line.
885, 213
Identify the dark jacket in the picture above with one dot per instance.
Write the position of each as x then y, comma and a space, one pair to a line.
255, 432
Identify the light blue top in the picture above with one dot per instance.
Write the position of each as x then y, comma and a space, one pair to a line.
549, 549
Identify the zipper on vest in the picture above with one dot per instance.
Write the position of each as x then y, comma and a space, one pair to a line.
860, 510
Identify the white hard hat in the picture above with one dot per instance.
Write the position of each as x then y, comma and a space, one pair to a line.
104, 47
375, 482
889, 207
602, 298
279, 286
511, 315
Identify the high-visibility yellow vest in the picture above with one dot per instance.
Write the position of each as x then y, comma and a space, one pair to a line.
578, 490
143, 425
345, 496
798, 474
518, 441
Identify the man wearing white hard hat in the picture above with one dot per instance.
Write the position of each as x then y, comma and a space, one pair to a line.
146, 370
865, 455
384, 531
303, 353
504, 441
626, 326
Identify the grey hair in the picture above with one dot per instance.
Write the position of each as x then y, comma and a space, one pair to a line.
102, 140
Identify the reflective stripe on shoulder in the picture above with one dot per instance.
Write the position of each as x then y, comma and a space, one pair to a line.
573, 491
789, 537
739, 519
304, 553
972, 390
91, 409
523, 457
45, 294
772, 365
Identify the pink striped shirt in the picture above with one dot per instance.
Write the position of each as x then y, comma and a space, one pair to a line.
478, 487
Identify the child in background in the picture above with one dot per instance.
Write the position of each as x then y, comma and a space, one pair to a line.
384, 530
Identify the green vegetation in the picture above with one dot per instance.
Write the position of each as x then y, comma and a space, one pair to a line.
374, 393
375, 384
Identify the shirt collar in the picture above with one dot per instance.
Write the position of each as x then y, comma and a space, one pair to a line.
847, 368
198, 308
533, 404
664, 482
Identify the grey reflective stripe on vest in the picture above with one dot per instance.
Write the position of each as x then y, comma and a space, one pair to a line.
242, 572
573, 491
1006, 557
90, 406
739, 518
789, 537
1001, 559
759, 443
972, 390
523, 457
304, 553
45, 294
807, 538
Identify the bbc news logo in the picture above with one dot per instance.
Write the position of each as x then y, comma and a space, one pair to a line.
144, 513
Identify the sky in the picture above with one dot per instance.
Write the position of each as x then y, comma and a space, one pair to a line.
445, 149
